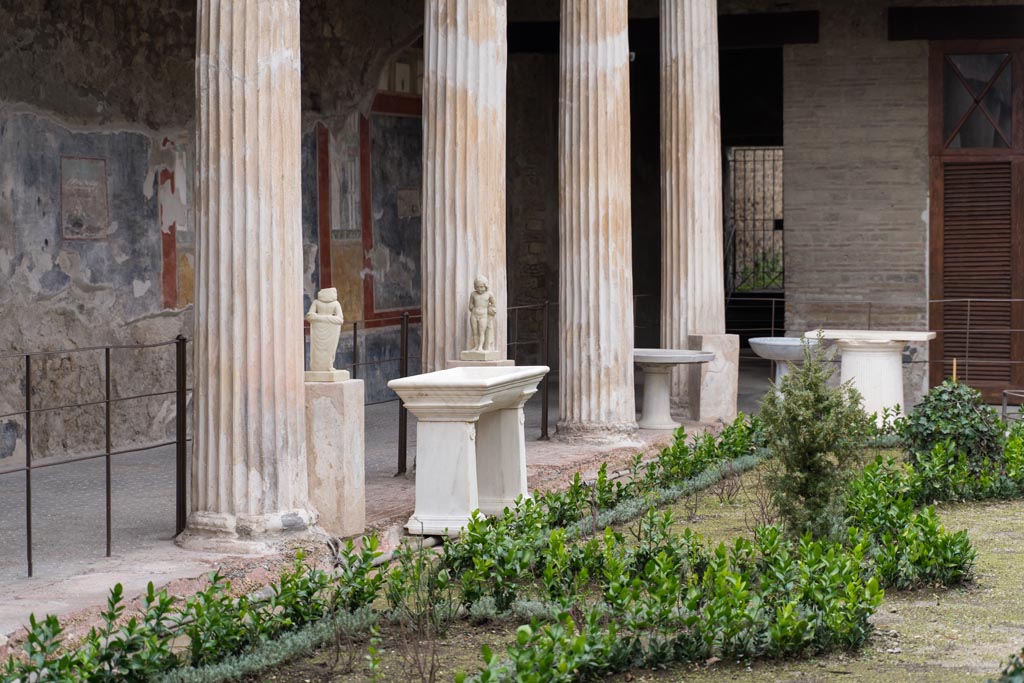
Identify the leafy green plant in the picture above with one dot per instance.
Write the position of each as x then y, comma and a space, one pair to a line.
956, 413
908, 548
1014, 671
815, 433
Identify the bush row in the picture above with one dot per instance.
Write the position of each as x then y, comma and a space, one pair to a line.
214, 624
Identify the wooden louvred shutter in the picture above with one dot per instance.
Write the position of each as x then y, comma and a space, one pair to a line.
977, 264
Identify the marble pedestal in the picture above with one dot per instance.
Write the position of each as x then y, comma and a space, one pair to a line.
335, 455
714, 387
470, 442
657, 366
873, 361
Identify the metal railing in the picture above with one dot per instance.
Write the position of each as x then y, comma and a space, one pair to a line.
874, 315
180, 392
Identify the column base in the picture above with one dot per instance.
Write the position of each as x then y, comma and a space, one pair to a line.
335, 455
714, 387
219, 532
597, 433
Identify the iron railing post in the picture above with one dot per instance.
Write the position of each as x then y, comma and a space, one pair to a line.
28, 461
546, 354
180, 435
967, 346
355, 348
106, 407
403, 413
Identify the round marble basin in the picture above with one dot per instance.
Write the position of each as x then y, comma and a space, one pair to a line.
671, 356
781, 348
657, 365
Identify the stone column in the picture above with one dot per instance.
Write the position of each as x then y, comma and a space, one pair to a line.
465, 54
249, 459
692, 271
595, 259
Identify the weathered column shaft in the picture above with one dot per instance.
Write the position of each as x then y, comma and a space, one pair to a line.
249, 460
595, 273
692, 271
465, 53
692, 277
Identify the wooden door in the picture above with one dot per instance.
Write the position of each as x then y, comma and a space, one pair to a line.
976, 145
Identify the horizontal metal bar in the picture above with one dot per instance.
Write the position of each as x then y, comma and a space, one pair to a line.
90, 403
86, 458
91, 348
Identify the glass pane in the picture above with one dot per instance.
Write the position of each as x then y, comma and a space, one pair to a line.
977, 132
998, 102
959, 97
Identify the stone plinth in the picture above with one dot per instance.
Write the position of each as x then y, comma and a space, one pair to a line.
335, 455
595, 282
325, 376
713, 386
249, 459
465, 55
657, 365
872, 360
480, 363
470, 442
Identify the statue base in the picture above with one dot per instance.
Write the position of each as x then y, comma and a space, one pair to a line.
480, 355
498, 363
326, 375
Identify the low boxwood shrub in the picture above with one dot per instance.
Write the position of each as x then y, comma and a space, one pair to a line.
773, 597
956, 413
909, 548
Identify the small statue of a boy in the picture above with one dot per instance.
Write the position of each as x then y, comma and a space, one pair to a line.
482, 310
325, 319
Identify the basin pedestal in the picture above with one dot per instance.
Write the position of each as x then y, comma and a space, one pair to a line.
872, 360
470, 442
657, 365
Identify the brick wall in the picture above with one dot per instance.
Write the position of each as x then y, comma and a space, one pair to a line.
856, 179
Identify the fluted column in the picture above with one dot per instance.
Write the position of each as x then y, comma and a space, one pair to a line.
465, 55
249, 459
595, 273
692, 270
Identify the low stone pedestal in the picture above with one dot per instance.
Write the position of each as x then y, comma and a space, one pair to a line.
714, 386
470, 443
335, 455
872, 360
657, 366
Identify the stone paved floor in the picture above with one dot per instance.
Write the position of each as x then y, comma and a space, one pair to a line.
68, 511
